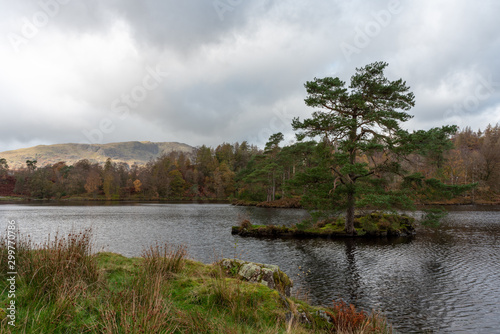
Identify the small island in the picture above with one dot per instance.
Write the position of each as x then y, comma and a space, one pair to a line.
375, 224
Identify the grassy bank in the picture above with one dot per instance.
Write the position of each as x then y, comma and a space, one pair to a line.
10, 198
63, 287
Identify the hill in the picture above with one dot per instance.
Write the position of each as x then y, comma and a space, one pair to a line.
129, 152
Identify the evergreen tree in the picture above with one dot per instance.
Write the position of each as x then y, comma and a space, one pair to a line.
4, 167
266, 169
363, 144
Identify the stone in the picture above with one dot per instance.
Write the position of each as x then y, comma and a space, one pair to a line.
322, 314
265, 274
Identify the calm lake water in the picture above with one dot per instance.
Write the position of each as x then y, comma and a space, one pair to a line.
441, 281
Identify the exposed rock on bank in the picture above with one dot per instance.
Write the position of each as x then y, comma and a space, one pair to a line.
265, 274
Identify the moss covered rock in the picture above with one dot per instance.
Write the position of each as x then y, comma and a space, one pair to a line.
266, 274
384, 224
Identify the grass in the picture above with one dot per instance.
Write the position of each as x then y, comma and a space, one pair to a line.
62, 286
11, 198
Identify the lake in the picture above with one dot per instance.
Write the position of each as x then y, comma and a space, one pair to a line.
445, 280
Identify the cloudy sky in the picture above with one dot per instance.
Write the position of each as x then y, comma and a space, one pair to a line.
213, 71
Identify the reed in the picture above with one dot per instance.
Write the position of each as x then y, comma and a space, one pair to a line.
163, 259
58, 267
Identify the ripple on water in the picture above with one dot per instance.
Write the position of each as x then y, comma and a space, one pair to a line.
443, 281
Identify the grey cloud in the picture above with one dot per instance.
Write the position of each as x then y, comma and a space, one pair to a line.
228, 77
180, 25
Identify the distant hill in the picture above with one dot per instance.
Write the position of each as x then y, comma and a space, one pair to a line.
128, 152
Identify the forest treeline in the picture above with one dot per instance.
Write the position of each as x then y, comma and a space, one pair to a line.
245, 172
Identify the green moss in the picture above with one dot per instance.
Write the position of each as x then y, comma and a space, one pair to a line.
282, 281
333, 228
368, 224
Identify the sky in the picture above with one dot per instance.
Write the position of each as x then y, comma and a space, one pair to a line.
213, 71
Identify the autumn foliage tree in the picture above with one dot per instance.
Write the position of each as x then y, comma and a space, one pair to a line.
93, 182
386, 176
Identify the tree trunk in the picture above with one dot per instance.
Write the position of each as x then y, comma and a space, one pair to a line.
351, 190
269, 189
274, 186
282, 185
349, 219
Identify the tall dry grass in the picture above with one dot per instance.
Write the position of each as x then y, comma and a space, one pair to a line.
144, 307
57, 267
52, 277
163, 259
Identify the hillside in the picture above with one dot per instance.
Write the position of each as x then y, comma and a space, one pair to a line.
128, 152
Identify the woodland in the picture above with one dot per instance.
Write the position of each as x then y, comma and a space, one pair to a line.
351, 150
243, 171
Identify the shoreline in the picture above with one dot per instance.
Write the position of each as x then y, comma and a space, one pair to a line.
27, 200
162, 291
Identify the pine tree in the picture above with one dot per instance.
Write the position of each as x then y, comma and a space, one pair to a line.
364, 145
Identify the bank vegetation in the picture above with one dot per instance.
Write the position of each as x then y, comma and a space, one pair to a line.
63, 286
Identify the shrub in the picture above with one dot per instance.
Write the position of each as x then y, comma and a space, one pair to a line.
245, 224
384, 224
340, 221
368, 223
345, 317
304, 224
320, 224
